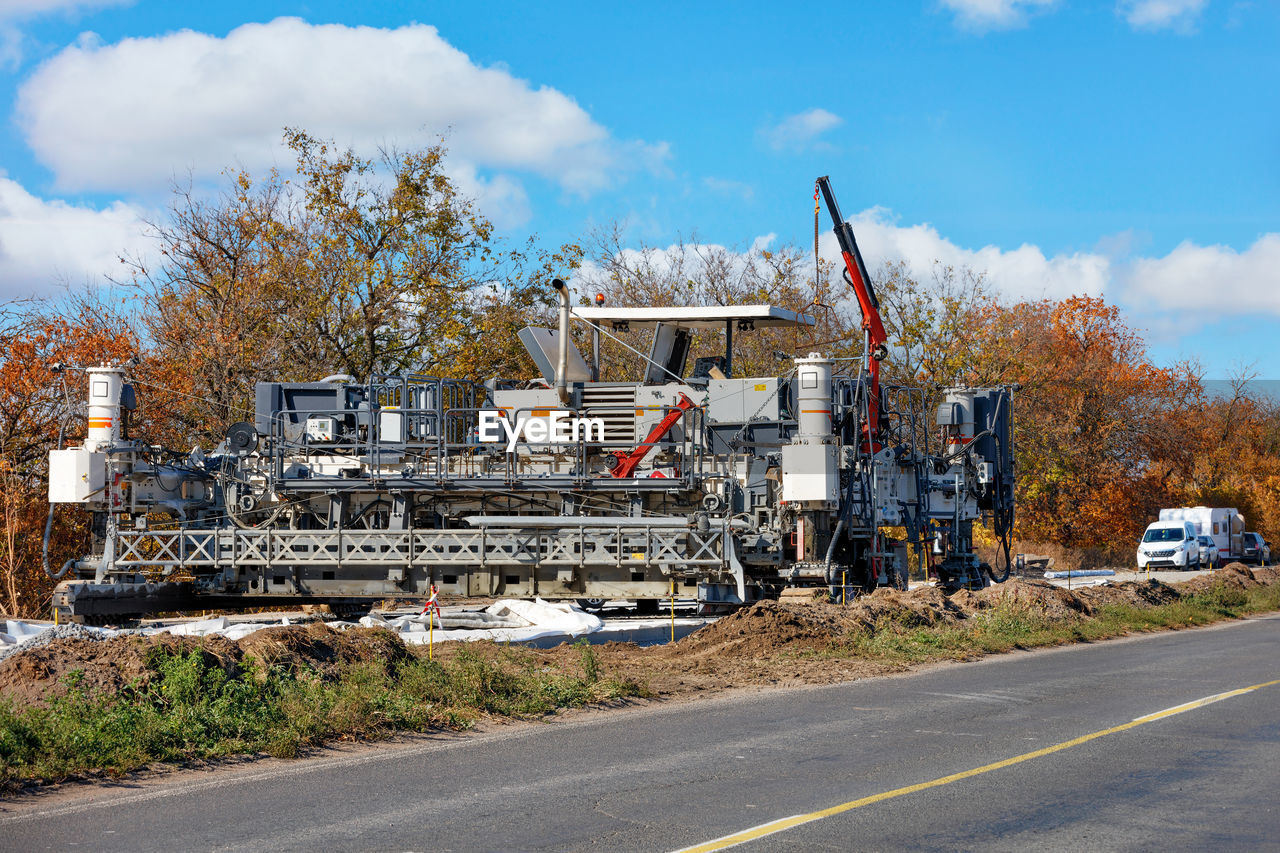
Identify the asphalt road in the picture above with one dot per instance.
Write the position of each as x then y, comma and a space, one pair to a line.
670, 776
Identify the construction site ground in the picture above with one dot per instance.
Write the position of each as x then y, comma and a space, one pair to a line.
772, 643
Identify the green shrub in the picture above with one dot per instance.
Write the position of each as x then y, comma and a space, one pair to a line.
194, 707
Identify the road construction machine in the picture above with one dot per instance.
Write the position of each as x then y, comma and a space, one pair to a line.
681, 481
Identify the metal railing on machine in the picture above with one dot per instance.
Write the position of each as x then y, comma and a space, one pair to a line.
444, 446
622, 544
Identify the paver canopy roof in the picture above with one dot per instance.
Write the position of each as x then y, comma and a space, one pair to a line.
707, 317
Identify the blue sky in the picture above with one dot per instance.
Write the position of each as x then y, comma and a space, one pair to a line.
1129, 149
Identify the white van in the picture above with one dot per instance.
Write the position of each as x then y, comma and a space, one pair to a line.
1224, 525
1169, 544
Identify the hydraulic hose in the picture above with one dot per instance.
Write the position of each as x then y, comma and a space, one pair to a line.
845, 511
831, 548
48, 522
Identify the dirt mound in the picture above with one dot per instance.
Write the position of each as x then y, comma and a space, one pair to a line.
1135, 593
770, 626
918, 608
33, 676
766, 627
772, 642
1266, 574
1232, 575
318, 647
966, 602
1040, 596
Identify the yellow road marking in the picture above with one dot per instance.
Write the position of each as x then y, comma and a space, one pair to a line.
786, 823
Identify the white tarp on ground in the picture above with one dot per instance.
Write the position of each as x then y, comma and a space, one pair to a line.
16, 632
1081, 573
506, 621
217, 625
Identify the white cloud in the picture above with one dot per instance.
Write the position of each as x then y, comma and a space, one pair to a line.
1205, 282
1211, 280
44, 244
132, 114
10, 47
984, 15
502, 198
1178, 15
1191, 284
13, 9
1021, 273
801, 130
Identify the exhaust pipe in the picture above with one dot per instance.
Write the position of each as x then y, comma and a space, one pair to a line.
562, 365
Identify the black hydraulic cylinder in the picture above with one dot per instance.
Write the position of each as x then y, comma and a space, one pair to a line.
844, 236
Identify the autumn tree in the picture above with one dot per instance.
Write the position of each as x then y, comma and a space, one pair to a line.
1093, 418
396, 253
355, 265
41, 402
1230, 453
498, 309
930, 322
218, 306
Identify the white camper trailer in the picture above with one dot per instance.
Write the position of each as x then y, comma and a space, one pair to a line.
1224, 526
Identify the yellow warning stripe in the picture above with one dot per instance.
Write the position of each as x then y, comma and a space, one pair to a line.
786, 823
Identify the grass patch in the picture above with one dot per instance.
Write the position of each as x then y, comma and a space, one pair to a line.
1018, 625
197, 708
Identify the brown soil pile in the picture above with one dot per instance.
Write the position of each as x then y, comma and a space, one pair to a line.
1232, 575
766, 627
1266, 574
776, 643
106, 666
787, 642
319, 647
918, 608
36, 675
1039, 596
771, 626
1134, 593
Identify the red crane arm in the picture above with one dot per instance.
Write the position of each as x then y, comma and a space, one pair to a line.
626, 463
858, 278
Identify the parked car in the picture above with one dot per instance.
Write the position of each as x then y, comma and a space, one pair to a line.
1208, 551
1256, 549
1169, 544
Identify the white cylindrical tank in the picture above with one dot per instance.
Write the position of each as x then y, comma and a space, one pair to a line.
955, 418
104, 406
813, 380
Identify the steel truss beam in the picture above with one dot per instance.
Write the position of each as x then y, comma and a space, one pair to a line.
673, 550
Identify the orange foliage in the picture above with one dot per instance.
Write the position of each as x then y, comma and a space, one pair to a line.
36, 404
1104, 438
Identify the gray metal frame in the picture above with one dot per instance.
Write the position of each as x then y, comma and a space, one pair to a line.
672, 550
